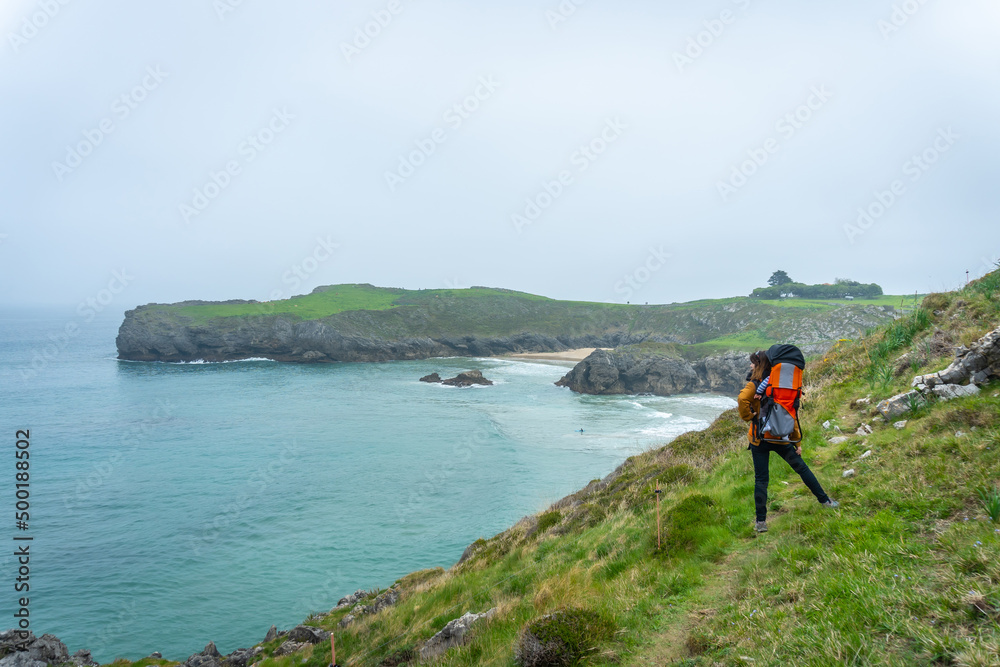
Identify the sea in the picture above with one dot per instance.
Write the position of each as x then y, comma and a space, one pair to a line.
169, 505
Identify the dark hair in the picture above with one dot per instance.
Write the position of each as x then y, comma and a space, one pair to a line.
761, 366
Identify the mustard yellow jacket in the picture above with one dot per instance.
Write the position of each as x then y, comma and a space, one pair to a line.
749, 406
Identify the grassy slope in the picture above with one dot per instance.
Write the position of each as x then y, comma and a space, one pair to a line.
362, 309
886, 580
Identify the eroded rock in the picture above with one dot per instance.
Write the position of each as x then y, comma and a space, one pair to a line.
453, 634
468, 379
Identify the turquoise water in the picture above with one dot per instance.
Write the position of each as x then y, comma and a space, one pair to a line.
174, 504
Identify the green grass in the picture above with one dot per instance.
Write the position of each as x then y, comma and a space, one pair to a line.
698, 328
907, 572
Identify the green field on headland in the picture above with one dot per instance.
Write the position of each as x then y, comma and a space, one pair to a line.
907, 572
738, 323
334, 299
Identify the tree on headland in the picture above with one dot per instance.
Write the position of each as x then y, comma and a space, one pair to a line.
778, 278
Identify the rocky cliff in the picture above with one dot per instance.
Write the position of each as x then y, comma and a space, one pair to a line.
634, 371
317, 341
474, 323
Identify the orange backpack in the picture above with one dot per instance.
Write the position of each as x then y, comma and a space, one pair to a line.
779, 408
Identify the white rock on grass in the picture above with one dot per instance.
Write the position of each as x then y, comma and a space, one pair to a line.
826, 425
899, 426
453, 634
865, 455
840, 439
848, 473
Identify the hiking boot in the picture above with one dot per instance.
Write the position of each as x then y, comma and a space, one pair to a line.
832, 504
760, 526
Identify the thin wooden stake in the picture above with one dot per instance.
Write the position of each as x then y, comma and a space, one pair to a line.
333, 652
658, 514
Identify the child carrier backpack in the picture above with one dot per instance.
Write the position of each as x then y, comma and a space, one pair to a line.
779, 407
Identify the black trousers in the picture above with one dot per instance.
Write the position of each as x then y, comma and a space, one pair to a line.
761, 454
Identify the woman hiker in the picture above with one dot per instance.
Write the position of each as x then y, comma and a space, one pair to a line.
749, 408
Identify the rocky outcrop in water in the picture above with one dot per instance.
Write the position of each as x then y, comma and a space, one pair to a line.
631, 371
468, 379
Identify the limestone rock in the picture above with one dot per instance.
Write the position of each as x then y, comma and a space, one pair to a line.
898, 404
209, 657
308, 634
345, 621
848, 473
12, 638
353, 598
198, 660
83, 658
453, 634
241, 657
947, 392
290, 647
433, 377
22, 659
468, 379
382, 601
839, 440
41, 651
978, 363
627, 371
272, 634
900, 425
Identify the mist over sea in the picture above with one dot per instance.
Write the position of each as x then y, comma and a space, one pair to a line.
174, 504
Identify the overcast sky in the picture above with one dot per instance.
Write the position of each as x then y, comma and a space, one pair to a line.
607, 151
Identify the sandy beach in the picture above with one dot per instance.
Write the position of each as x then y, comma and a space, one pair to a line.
567, 355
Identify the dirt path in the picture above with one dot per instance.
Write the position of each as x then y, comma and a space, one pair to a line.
669, 645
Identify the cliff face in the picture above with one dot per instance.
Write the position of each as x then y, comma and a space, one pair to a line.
419, 325
626, 371
152, 336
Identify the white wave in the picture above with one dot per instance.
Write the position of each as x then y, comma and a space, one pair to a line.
199, 362
674, 429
